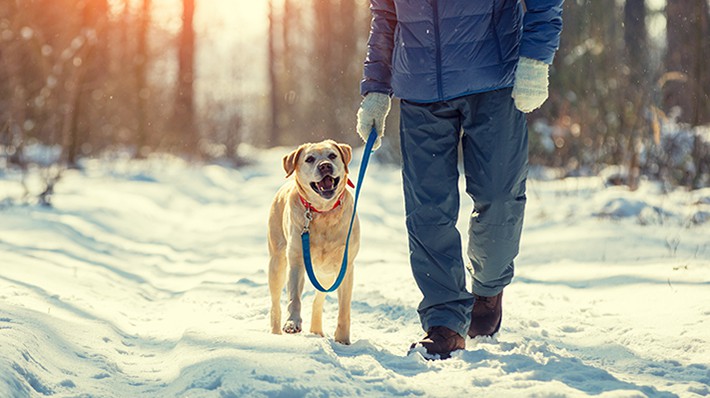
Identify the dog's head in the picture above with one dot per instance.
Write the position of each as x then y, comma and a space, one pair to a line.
320, 169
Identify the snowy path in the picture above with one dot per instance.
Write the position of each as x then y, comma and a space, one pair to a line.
148, 280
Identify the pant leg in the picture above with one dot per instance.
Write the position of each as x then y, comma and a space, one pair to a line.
430, 135
495, 148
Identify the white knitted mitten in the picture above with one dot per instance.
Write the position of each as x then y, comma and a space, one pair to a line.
530, 88
373, 111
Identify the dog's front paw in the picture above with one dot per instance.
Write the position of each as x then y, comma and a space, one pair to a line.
292, 327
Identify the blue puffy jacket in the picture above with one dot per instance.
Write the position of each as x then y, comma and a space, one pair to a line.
434, 50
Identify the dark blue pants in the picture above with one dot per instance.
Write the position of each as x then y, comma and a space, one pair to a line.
493, 136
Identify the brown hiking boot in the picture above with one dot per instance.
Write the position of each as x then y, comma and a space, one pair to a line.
486, 316
440, 341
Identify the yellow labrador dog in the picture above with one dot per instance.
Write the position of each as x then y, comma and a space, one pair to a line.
321, 177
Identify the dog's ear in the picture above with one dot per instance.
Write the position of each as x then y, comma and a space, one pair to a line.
291, 159
346, 151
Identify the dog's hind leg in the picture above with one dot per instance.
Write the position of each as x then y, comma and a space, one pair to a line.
317, 314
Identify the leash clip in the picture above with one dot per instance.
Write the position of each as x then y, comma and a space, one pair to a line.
309, 217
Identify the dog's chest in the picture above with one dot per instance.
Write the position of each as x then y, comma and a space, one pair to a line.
327, 241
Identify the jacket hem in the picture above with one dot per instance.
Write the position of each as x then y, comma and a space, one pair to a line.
431, 101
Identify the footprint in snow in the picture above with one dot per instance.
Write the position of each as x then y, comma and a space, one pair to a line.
5, 320
571, 329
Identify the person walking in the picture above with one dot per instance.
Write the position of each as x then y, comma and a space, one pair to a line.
465, 72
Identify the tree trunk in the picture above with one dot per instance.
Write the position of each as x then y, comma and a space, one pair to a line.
274, 129
325, 41
348, 69
636, 40
688, 50
184, 112
292, 47
636, 45
86, 72
15, 108
142, 90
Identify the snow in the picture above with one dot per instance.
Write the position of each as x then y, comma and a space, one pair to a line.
148, 279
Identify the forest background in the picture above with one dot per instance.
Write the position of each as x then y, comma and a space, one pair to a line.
207, 79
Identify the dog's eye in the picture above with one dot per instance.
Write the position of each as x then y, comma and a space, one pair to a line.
332, 156
310, 159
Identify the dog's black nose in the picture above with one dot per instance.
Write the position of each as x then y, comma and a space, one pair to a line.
325, 168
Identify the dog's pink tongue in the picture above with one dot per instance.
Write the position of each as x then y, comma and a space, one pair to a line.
326, 184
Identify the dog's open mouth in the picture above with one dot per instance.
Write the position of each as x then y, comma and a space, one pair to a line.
326, 187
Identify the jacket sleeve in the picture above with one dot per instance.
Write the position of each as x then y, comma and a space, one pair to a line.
378, 64
542, 25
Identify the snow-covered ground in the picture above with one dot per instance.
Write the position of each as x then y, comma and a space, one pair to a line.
147, 279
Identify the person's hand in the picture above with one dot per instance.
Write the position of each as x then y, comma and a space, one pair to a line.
530, 88
373, 112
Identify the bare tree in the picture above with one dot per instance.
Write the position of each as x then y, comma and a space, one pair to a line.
324, 61
13, 95
140, 70
87, 73
315, 63
184, 111
275, 103
639, 86
688, 51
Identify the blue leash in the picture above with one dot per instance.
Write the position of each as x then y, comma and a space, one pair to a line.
305, 235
